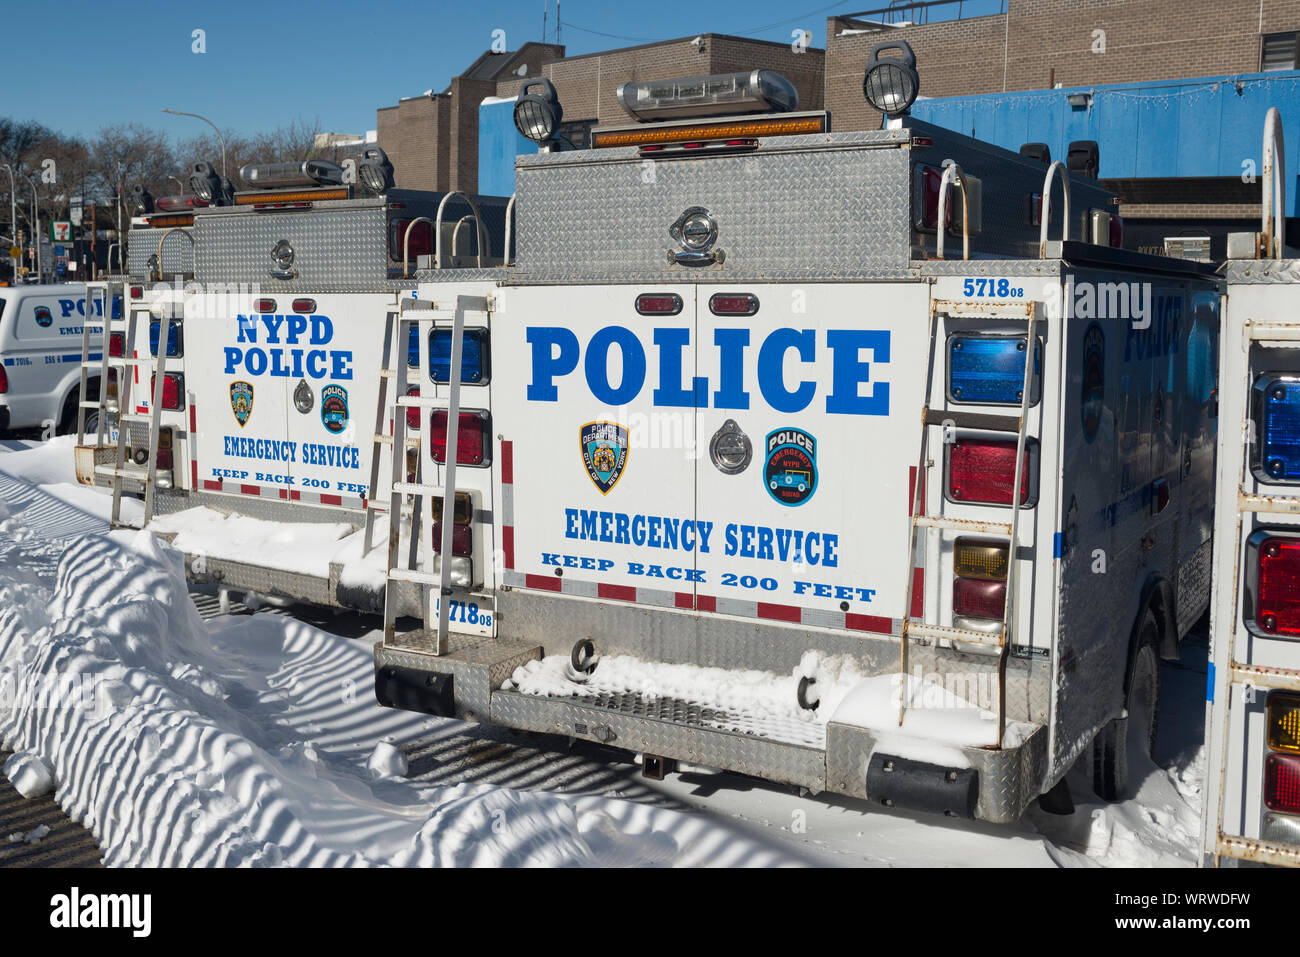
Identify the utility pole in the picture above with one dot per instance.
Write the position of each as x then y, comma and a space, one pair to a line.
36, 230
13, 216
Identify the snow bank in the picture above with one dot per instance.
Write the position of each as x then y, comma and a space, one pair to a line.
29, 774
249, 741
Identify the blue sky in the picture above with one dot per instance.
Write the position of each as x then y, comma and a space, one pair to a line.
273, 61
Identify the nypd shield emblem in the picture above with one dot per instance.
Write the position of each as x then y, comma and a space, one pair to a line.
604, 453
241, 401
334, 408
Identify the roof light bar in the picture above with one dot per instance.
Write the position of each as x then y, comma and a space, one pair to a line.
722, 94
291, 196
792, 125
307, 173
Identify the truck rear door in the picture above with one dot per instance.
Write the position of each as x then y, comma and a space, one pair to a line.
823, 385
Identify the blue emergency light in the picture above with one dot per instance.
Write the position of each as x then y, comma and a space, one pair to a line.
1280, 430
175, 340
473, 359
986, 370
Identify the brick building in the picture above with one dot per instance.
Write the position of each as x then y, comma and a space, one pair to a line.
1035, 44
432, 139
587, 85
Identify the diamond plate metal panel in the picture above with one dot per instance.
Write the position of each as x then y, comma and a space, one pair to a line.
656, 730
177, 251
339, 247
826, 207
478, 665
1262, 271
1008, 779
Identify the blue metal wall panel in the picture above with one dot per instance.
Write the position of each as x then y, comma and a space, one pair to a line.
1196, 127
498, 145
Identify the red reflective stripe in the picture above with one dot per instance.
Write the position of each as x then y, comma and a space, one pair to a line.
911, 491
507, 463
135, 354
779, 612
918, 593
250, 489
193, 424
331, 499
508, 545
883, 626
284, 493
684, 599
294, 495
142, 409
213, 486
194, 474
545, 582
616, 592
706, 603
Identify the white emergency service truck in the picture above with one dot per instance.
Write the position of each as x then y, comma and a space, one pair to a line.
41, 329
803, 454
1252, 805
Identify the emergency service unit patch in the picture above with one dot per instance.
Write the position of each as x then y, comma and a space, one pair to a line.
334, 408
604, 453
241, 401
790, 468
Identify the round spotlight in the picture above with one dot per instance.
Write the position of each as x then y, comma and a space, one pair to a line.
204, 182
375, 171
891, 83
538, 115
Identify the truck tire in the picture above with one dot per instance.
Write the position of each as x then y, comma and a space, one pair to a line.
1119, 741
68, 416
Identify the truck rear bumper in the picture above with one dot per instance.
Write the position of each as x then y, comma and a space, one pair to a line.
995, 785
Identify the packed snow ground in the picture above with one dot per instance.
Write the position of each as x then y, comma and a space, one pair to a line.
255, 740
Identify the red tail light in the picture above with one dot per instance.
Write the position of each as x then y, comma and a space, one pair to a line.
421, 239
471, 437
733, 304
931, 178
412, 413
983, 470
462, 539
972, 598
4, 381
1282, 783
172, 390
137, 292
659, 304
1279, 586
264, 305
163, 461
1116, 231
116, 345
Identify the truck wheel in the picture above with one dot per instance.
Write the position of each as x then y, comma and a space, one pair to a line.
1120, 742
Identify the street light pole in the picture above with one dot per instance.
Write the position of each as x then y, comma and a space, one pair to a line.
221, 138
36, 214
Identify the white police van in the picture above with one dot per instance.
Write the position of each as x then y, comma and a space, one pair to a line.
735, 452
40, 355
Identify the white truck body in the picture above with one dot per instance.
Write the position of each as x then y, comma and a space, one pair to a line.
613, 392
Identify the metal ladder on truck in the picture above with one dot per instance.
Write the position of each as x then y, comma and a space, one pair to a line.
421, 315
126, 367
1237, 673
914, 627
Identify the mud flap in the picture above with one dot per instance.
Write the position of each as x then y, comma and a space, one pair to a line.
412, 690
917, 786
